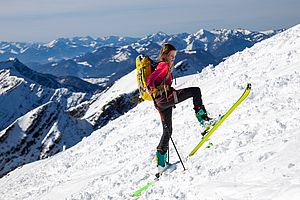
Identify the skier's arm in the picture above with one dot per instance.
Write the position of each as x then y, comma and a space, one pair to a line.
158, 75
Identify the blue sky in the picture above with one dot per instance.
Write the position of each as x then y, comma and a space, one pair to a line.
45, 20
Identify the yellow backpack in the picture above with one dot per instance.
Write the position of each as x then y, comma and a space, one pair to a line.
144, 67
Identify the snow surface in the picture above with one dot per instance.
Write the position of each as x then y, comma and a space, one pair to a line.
85, 63
255, 153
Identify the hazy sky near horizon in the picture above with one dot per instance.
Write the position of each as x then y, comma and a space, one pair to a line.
45, 20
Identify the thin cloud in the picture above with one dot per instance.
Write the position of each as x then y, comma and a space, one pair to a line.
65, 18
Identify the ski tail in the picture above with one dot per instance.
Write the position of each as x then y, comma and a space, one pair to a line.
237, 103
142, 189
139, 192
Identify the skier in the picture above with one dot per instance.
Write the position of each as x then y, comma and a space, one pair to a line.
161, 79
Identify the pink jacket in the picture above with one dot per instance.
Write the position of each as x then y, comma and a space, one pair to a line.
158, 76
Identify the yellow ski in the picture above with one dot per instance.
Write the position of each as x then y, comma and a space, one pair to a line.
220, 121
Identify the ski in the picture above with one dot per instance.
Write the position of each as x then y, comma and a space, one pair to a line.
210, 129
138, 192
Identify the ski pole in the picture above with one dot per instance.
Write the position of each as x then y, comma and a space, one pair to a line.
178, 154
168, 154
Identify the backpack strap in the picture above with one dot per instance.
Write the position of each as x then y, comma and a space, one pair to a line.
166, 77
162, 84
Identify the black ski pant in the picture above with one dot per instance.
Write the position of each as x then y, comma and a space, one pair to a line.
164, 105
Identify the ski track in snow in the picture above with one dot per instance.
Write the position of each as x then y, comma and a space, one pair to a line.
255, 153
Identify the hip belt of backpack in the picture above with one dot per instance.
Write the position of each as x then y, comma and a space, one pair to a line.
162, 88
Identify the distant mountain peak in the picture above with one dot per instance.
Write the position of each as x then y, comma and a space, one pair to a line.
59, 42
202, 32
161, 33
155, 37
244, 31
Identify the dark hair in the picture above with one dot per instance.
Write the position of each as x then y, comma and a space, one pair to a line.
165, 50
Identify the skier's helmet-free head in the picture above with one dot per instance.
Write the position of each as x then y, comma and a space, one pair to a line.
167, 54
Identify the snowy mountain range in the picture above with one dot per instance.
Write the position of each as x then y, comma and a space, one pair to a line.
255, 153
110, 58
66, 48
41, 101
23, 89
62, 48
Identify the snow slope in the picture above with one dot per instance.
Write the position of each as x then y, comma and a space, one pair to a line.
38, 134
255, 153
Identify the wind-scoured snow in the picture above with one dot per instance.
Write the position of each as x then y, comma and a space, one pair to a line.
255, 153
